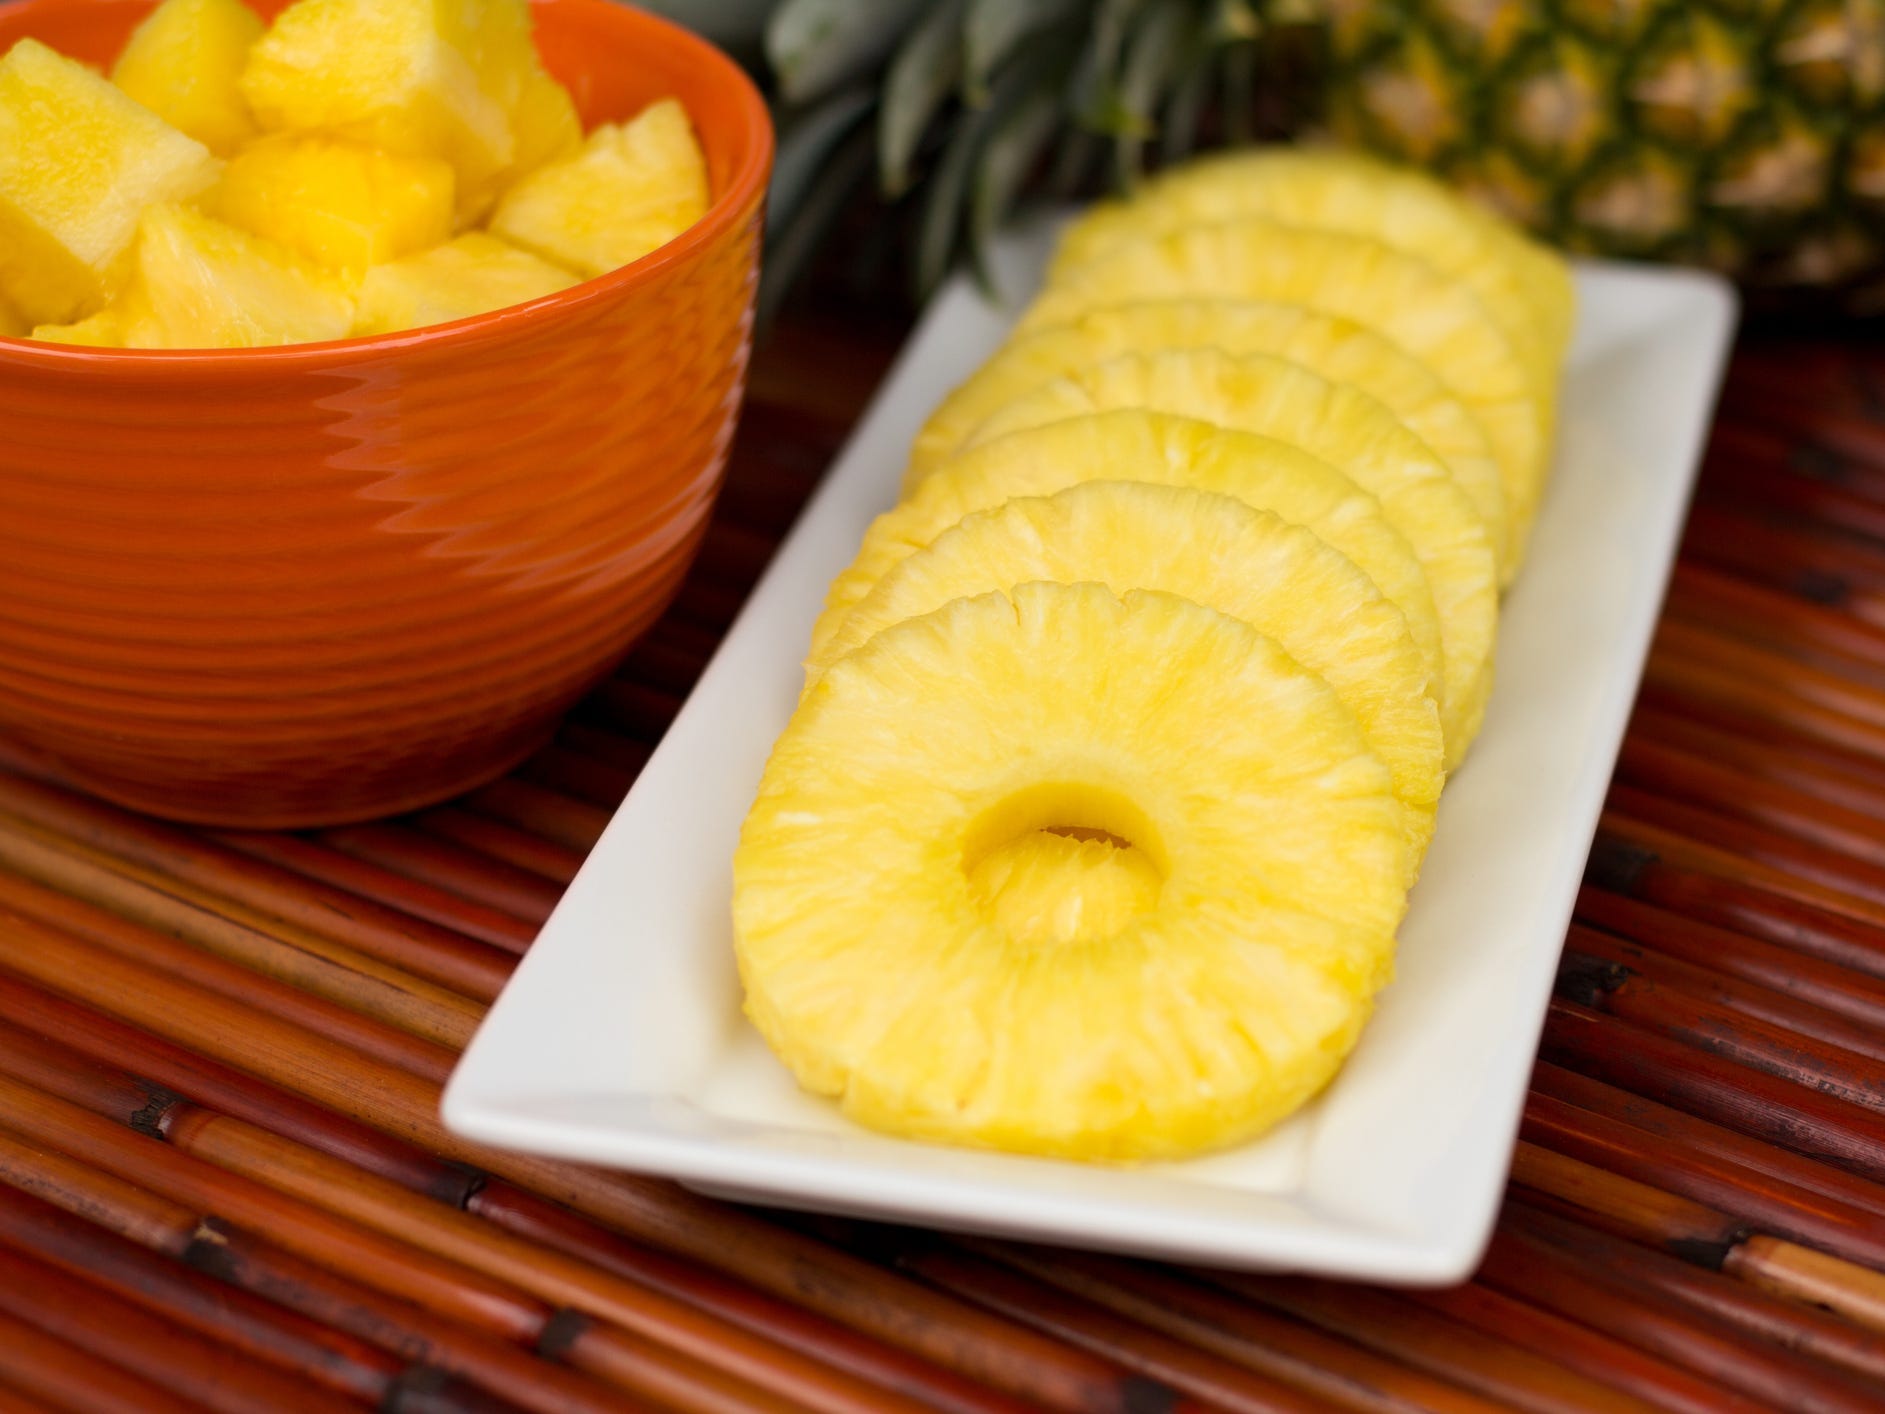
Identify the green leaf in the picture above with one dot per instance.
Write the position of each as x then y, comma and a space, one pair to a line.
1010, 154
925, 69
1178, 132
805, 143
1152, 56
791, 245
815, 46
993, 29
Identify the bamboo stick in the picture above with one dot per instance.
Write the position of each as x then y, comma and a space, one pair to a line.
483, 879
168, 1353
849, 1291
1287, 1350
384, 887
543, 858
1668, 998
246, 1263
1603, 1357
1779, 622
1787, 1323
1422, 1337
13, 1401
1687, 681
593, 780
1586, 1291
578, 741
380, 1206
236, 1320
1170, 1374
359, 1011
1800, 1274
1630, 1058
1855, 996
571, 823
38, 874
1845, 777
642, 712
312, 911
1601, 1166
63, 1375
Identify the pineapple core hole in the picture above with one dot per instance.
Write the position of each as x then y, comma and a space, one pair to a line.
1057, 864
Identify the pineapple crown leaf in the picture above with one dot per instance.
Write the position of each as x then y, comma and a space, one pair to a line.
816, 46
806, 142
993, 28
926, 67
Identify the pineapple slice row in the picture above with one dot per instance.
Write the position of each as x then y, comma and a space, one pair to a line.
1121, 739
235, 184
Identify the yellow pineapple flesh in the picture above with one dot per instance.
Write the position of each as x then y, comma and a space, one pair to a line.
1341, 350
890, 984
1136, 445
1215, 551
184, 62
341, 206
1344, 428
199, 283
632, 187
1527, 292
1045, 888
400, 75
1401, 297
471, 275
79, 162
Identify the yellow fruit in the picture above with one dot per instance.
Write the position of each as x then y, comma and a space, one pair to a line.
543, 120
1348, 430
12, 323
633, 187
183, 63
1044, 889
467, 276
1338, 349
1393, 293
78, 162
201, 284
1216, 551
103, 330
1529, 295
1167, 451
402, 75
877, 976
342, 206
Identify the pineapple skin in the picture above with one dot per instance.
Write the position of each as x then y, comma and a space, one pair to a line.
1345, 429
1746, 138
184, 62
1213, 550
1207, 1018
79, 161
1136, 445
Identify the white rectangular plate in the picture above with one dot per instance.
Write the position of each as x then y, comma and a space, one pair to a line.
620, 1040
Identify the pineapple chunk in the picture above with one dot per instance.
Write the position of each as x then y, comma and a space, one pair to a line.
1216, 551
544, 121
1168, 451
468, 276
634, 187
182, 63
392, 74
201, 284
1351, 432
12, 323
78, 162
1528, 295
341, 206
1207, 1017
1400, 297
106, 329
1338, 349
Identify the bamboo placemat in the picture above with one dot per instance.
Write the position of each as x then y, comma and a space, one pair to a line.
225, 1186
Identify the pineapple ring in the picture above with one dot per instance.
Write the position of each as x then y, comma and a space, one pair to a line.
1350, 431
873, 971
1216, 551
1135, 445
1338, 349
1400, 297
1528, 293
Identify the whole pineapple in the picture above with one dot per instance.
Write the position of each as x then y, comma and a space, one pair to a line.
1747, 135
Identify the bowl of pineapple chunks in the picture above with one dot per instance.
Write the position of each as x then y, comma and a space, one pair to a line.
369, 369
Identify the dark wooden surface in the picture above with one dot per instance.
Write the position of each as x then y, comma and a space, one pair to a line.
223, 1184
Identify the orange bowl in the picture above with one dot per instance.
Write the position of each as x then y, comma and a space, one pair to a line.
296, 586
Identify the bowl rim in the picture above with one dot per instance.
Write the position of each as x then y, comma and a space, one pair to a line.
751, 120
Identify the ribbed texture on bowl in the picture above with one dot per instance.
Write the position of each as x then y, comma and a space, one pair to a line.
307, 585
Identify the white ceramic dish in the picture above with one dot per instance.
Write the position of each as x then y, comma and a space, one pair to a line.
620, 1040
